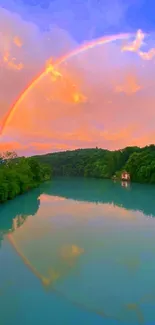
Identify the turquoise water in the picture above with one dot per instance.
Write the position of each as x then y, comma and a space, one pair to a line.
78, 251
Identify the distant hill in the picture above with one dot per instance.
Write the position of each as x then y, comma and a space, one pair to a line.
100, 163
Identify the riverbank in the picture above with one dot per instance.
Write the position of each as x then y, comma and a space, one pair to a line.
100, 163
20, 175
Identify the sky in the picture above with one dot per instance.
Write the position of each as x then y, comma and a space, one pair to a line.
102, 96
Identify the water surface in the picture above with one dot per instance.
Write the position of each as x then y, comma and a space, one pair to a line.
78, 251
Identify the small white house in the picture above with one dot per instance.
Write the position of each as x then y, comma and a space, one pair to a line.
125, 176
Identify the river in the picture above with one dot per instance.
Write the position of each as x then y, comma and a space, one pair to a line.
78, 251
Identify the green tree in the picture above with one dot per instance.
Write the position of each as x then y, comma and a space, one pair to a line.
100, 163
18, 175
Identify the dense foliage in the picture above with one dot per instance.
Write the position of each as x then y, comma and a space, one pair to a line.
18, 175
100, 163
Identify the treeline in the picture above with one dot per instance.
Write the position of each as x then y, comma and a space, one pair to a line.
100, 163
18, 175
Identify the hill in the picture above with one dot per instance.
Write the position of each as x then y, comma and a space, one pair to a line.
100, 163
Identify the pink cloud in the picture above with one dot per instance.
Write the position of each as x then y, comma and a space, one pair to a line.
103, 97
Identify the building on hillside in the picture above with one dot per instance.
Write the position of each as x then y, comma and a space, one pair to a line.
125, 176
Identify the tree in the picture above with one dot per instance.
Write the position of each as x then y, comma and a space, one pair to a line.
100, 163
18, 175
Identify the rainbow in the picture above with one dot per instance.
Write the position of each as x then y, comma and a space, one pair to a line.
62, 59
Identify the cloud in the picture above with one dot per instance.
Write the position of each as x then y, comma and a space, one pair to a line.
147, 55
83, 19
136, 45
24, 50
130, 85
17, 41
103, 97
122, 134
11, 62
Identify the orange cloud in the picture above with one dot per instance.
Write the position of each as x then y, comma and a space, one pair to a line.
52, 71
130, 85
11, 62
121, 134
79, 98
66, 89
10, 146
34, 147
17, 41
144, 140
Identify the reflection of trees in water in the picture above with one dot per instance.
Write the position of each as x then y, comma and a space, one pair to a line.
136, 197
14, 213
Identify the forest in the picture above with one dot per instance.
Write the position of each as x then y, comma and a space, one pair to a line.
20, 174
100, 163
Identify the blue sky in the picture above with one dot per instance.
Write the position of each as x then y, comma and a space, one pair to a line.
87, 19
